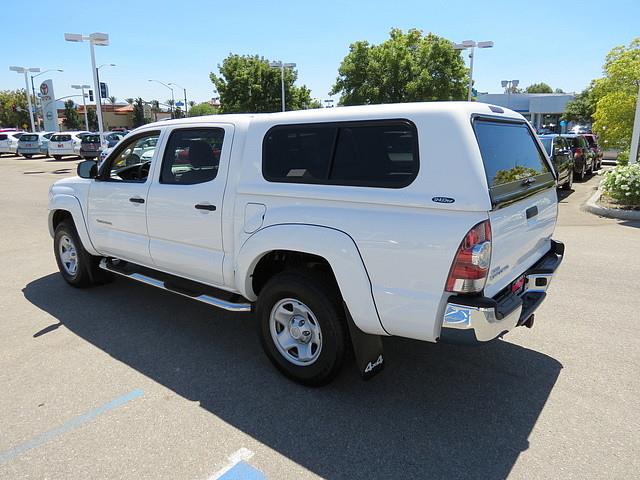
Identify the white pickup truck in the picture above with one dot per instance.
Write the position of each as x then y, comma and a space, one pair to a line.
431, 221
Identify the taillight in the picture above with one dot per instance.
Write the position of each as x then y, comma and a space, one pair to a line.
470, 266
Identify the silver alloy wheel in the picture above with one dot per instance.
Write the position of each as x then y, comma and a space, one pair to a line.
295, 332
68, 255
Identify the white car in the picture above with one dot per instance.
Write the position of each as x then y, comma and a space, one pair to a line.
37, 143
65, 144
337, 227
9, 142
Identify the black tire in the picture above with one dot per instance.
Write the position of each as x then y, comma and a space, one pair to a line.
568, 185
321, 296
27, 155
57, 157
86, 272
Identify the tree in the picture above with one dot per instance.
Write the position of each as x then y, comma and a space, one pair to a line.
408, 67
113, 100
539, 88
249, 84
71, 117
615, 95
93, 119
130, 100
13, 109
171, 104
581, 108
203, 108
138, 113
558, 90
178, 113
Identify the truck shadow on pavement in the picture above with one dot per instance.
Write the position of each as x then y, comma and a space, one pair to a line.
436, 411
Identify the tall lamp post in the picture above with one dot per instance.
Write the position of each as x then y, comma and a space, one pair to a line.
185, 96
25, 70
281, 65
173, 100
98, 75
509, 85
84, 103
101, 40
33, 91
635, 134
471, 45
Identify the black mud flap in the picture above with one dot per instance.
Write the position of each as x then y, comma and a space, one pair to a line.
367, 349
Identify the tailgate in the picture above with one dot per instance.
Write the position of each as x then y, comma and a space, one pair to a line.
524, 201
520, 236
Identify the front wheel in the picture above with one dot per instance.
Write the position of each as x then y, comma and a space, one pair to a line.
77, 266
57, 157
302, 326
27, 155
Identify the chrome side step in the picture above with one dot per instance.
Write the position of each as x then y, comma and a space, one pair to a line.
154, 282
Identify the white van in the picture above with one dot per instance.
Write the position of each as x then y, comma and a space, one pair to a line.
65, 144
430, 221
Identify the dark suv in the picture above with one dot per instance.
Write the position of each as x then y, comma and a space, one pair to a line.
595, 149
583, 157
559, 150
90, 146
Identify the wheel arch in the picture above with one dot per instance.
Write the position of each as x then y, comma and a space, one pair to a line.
322, 246
63, 207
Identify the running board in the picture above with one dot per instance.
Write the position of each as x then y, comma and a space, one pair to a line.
154, 282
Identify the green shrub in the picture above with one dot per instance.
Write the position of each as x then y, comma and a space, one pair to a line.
623, 158
623, 184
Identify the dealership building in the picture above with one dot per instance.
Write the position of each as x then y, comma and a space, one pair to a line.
543, 110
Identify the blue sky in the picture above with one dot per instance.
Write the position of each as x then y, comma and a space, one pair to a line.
561, 43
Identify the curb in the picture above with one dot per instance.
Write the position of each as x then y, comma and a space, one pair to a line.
592, 206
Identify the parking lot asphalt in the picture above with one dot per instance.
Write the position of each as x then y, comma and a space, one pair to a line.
126, 381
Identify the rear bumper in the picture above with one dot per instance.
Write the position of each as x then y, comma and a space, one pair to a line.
478, 319
31, 150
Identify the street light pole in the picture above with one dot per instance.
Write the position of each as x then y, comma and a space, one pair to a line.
281, 65
471, 45
173, 101
25, 70
635, 136
184, 90
84, 103
100, 39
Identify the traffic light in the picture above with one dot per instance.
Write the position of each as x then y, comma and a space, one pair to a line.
104, 91
91, 95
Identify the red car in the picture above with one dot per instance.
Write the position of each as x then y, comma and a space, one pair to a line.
595, 149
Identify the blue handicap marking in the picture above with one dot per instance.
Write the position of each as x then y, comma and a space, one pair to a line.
243, 471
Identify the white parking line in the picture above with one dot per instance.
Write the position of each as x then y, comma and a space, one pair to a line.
233, 459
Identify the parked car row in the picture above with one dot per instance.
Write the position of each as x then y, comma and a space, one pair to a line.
573, 156
58, 144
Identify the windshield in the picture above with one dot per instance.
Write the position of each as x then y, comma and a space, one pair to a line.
29, 137
60, 138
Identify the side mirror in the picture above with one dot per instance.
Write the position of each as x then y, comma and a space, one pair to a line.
87, 169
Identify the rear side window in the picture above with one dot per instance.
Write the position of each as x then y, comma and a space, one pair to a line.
369, 154
513, 163
546, 143
3, 137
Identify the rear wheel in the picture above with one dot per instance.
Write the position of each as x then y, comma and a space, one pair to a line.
302, 326
27, 155
78, 267
57, 157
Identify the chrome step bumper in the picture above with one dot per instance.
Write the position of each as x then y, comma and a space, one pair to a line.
154, 282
